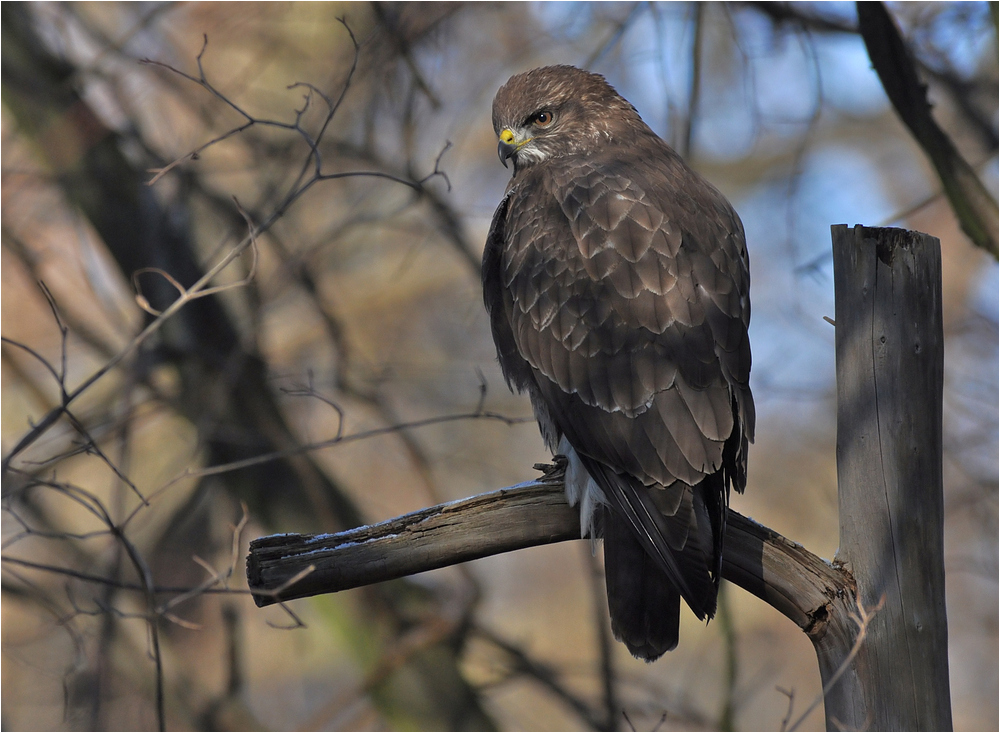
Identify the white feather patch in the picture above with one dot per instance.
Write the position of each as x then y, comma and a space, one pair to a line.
583, 490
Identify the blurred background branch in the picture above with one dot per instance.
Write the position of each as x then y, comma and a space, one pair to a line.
975, 208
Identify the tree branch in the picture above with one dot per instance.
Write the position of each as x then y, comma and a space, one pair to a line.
975, 208
780, 572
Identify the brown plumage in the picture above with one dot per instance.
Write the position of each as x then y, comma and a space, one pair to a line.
617, 283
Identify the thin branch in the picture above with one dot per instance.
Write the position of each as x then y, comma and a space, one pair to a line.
604, 641
336, 440
694, 81
724, 617
790, 694
187, 296
301, 184
781, 13
545, 675
38, 357
616, 34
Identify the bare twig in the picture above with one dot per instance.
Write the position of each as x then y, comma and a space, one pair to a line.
862, 617
524, 664
724, 617
790, 694
609, 682
69, 397
337, 440
694, 82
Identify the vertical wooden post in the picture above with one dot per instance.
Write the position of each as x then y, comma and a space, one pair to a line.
890, 367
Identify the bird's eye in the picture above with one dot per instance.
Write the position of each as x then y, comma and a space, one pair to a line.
542, 119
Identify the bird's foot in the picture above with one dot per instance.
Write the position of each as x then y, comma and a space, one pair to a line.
554, 471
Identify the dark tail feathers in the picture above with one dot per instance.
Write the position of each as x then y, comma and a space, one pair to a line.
645, 608
643, 599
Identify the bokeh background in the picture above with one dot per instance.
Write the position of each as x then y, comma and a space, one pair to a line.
363, 313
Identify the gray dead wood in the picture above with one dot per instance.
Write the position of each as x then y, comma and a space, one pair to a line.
890, 365
780, 572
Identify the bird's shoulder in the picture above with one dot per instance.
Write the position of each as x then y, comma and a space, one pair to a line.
628, 198
632, 225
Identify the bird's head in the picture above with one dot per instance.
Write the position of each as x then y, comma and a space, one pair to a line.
558, 110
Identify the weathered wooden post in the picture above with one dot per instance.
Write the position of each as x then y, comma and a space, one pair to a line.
890, 364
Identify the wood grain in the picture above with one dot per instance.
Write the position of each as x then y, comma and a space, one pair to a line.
889, 388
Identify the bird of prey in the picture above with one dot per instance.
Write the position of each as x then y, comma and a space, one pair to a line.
617, 284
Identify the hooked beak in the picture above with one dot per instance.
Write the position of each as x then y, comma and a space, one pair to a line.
505, 151
508, 145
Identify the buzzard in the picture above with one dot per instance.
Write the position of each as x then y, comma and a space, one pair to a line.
617, 284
